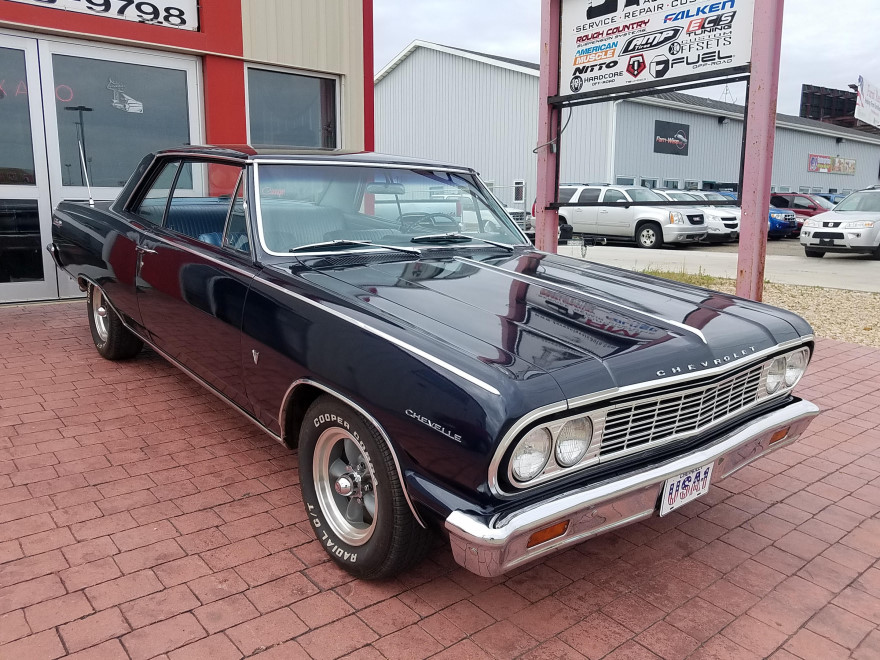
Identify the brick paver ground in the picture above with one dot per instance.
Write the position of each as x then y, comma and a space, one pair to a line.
141, 518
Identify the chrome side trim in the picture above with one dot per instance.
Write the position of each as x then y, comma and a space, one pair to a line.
596, 397
394, 340
282, 413
193, 251
259, 160
555, 285
177, 364
502, 544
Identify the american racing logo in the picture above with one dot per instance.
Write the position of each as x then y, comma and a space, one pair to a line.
636, 65
705, 364
595, 53
717, 23
651, 40
705, 10
662, 65
700, 45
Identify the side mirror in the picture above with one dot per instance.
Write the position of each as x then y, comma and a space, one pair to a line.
812, 207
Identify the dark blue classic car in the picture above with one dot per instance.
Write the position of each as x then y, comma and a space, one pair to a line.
386, 318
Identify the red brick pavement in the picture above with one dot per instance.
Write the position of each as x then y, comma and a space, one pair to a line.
141, 518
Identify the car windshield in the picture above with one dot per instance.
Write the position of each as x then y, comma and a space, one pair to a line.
682, 197
715, 197
823, 203
861, 201
643, 195
343, 208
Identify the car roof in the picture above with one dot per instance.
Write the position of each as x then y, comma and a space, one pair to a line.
244, 152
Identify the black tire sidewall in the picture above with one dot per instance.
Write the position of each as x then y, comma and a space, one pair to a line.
365, 559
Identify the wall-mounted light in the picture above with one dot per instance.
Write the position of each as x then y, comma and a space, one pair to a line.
723, 120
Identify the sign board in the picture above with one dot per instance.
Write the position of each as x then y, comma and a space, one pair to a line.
181, 14
671, 138
831, 165
868, 103
609, 45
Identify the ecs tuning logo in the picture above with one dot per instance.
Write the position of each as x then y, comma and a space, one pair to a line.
636, 65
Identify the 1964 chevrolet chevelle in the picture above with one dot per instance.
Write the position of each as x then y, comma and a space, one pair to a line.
435, 372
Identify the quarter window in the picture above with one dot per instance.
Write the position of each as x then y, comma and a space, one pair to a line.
236, 237
202, 200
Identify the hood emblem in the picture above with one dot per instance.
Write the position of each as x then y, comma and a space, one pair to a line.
706, 364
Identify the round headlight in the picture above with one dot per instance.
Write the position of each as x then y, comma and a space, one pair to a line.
573, 441
531, 454
796, 365
776, 375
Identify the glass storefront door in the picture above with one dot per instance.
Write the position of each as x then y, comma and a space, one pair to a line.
26, 269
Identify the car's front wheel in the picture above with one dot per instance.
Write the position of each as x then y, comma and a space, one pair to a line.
112, 339
353, 494
815, 254
649, 236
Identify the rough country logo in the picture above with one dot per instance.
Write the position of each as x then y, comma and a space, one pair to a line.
651, 40
636, 65
576, 84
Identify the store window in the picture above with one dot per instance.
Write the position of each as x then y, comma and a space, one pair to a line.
671, 184
784, 189
21, 256
626, 181
17, 154
291, 110
691, 185
649, 183
110, 114
804, 189
519, 190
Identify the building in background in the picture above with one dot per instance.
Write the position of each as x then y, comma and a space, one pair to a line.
833, 106
86, 89
451, 104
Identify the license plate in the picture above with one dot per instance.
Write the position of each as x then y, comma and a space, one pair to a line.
685, 488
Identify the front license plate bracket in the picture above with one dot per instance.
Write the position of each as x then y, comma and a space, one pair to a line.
684, 488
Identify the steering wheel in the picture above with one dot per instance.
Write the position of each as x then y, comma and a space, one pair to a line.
411, 221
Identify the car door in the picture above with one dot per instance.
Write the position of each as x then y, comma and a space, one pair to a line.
194, 272
585, 217
804, 206
616, 217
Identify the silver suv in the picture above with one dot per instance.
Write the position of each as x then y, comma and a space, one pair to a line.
852, 226
618, 219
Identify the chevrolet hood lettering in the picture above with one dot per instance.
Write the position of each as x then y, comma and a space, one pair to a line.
707, 364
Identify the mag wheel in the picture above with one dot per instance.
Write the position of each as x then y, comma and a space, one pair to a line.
353, 495
112, 339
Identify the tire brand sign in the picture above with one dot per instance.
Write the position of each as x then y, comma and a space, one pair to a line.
608, 45
180, 14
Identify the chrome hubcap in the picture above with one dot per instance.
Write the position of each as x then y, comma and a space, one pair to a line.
99, 312
345, 486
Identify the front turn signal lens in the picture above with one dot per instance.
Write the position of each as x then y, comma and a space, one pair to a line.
548, 534
781, 434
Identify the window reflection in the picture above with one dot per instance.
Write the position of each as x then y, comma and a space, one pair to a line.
291, 110
21, 257
16, 145
117, 112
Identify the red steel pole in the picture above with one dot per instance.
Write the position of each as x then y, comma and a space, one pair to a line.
547, 221
758, 154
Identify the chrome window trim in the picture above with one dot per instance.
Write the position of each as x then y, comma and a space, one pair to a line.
513, 433
550, 285
384, 335
372, 420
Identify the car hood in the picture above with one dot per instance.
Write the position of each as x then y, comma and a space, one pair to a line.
846, 216
591, 327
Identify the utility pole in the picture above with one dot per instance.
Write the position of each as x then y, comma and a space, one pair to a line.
547, 221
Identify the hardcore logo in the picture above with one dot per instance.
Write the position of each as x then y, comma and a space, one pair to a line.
651, 40
636, 65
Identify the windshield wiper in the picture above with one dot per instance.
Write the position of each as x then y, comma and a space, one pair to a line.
343, 243
456, 238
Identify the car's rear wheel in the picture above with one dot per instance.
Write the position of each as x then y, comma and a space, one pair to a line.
112, 339
353, 494
815, 254
649, 236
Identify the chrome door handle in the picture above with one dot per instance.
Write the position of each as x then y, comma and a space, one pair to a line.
144, 250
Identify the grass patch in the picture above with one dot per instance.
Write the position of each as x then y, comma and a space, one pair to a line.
700, 278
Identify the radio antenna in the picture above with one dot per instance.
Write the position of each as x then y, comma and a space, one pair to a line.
82, 158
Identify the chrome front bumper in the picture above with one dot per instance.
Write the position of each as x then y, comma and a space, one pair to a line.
491, 550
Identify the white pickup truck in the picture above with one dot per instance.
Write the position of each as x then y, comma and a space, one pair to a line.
618, 219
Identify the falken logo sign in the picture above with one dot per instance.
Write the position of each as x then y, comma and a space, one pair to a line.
650, 41
647, 27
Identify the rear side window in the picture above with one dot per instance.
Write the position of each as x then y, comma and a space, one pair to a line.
589, 195
565, 195
152, 207
202, 200
614, 196
779, 201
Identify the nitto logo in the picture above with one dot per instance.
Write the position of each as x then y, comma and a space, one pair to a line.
636, 65
650, 41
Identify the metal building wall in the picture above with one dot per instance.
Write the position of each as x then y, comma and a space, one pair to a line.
323, 36
444, 107
791, 161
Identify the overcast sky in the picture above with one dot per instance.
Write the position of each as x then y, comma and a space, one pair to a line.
824, 42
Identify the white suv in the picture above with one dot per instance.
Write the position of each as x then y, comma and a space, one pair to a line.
618, 219
721, 221
852, 226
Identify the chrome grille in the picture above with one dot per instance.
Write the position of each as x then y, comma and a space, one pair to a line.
647, 422
695, 219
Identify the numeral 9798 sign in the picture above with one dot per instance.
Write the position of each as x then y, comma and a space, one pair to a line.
182, 14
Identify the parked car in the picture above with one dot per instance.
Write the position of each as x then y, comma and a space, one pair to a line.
649, 226
722, 222
780, 223
834, 198
430, 379
852, 227
803, 205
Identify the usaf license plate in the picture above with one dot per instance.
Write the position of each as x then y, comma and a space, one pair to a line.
685, 488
